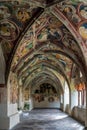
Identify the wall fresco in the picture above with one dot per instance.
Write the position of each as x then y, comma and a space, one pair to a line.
36, 62
74, 13
9, 30
14, 17
45, 92
82, 10
50, 30
4, 12
83, 30
13, 88
46, 33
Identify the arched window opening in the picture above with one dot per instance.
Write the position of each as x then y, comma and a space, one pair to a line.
81, 94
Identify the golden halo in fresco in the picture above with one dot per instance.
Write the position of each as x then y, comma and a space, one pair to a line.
82, 10
83, 29
8, 30
23, 15
69, 10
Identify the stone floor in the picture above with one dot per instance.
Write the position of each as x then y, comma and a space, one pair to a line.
47, 119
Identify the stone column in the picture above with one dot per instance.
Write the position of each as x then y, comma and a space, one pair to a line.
31, 100
86, 109
66, 103
74, 97
66, 98
78, 98
20, 97
9, 116
4, 123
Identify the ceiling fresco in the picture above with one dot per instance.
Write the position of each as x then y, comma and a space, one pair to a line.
14, 17
48, 76
38, 65
42, 39
51, 30
73, 13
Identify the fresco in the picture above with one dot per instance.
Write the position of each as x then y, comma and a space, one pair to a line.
31, 70
9, 30
75, 13
6, 47
46, 29
82, 27
39, 34
4, 12
42, 3
40, 30
83, 30
14, 17
26, 95
23, 15
45, 92
46, 33
13, 88
67, 64
83, 10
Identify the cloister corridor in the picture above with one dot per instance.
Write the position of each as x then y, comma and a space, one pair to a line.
43, 64
47, 119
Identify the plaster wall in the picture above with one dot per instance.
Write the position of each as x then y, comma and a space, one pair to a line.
3, 110
46, 104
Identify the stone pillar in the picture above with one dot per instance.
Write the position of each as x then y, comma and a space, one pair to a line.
66, 102
78, 98
66, 98
4, 123
9, 116
20, 98
74, 99
61, 102
86, 109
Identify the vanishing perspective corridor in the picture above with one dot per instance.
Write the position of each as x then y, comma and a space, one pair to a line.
43, 64
47, 119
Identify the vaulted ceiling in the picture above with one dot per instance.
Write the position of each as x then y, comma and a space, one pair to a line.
44, 40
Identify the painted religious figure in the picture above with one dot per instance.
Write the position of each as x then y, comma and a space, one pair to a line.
13, 89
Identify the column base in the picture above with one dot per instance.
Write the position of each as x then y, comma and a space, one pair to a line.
6, 123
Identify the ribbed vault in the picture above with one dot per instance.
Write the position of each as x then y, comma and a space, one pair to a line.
43, 57
44, 39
